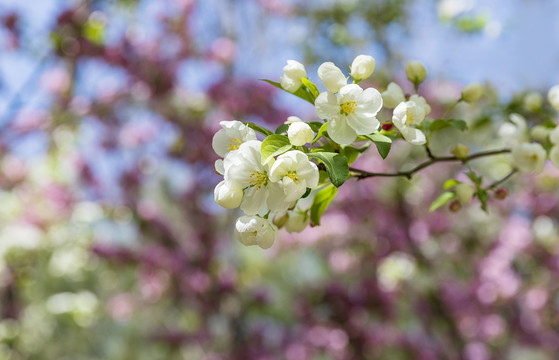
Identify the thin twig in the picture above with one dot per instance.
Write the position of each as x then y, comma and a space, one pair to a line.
499, 182
362, 174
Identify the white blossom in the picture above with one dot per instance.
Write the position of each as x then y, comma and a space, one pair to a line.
554, 156
231, 135
554, 135
553, 97
514, 132
331, 76
291, 119
292, 74
406, 116
352, 112
528, 157
392, 96
362, 67
244, 168
300, 133
533, 101
295, 173
254, 230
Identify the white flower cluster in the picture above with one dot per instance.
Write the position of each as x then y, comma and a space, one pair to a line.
256, 187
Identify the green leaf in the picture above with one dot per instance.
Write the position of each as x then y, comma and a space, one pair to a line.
383, 143
311, 86
274, 145
352, 153
441, 200
450, 183
322, 199
320, 133
282, 128
306, 193
482, 195
475, 178
315, 125
302, 92
258, 129
336, 166
440, 124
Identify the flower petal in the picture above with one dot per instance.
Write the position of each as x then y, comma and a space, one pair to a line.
340, 131
362, 125
413, 135
326, 105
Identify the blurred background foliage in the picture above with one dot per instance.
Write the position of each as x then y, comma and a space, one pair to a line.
111, 246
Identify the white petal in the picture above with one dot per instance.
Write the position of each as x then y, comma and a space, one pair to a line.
276, 198
413, 135
254, 200
326, 105
369, 101
350, 92
362, 125
341, 132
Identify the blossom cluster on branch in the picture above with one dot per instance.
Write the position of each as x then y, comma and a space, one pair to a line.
267, 178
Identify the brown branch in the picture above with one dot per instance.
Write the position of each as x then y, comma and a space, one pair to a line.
362, 174
499, 182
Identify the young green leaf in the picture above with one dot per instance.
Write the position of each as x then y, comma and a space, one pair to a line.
258, 129
336, 166
274, 145
302, 92
282, 128
322, 199
450, 183
441, 200
311, 86
440, 124
383, 143
320, 133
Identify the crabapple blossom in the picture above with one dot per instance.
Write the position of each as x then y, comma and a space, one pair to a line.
554, 156
472, 92
392, 96
528, 157
291, 119
362, 67
292, 74
254, 230
415, 71
554, 135
331, 76
514, 133
244, 168
300, 133
407, 115
231, 135
295, 173
352, 112
533, 101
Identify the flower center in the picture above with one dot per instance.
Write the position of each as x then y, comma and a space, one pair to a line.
409, 117
258, 179
348, 107
293, 176
234, 144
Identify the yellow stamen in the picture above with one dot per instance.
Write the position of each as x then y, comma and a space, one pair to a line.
293, 176
348, 107
409, 117
234, 144
258, 179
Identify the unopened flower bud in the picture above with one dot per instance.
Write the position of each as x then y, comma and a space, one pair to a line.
292, 74
501, 193
472, 92
228, 194
455, 206
300, 133
553, 97
387, 127
331, 76
291, 119
362, 67
461, 151
297, 222
415, 72
280, 220
533, 101
464, 193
